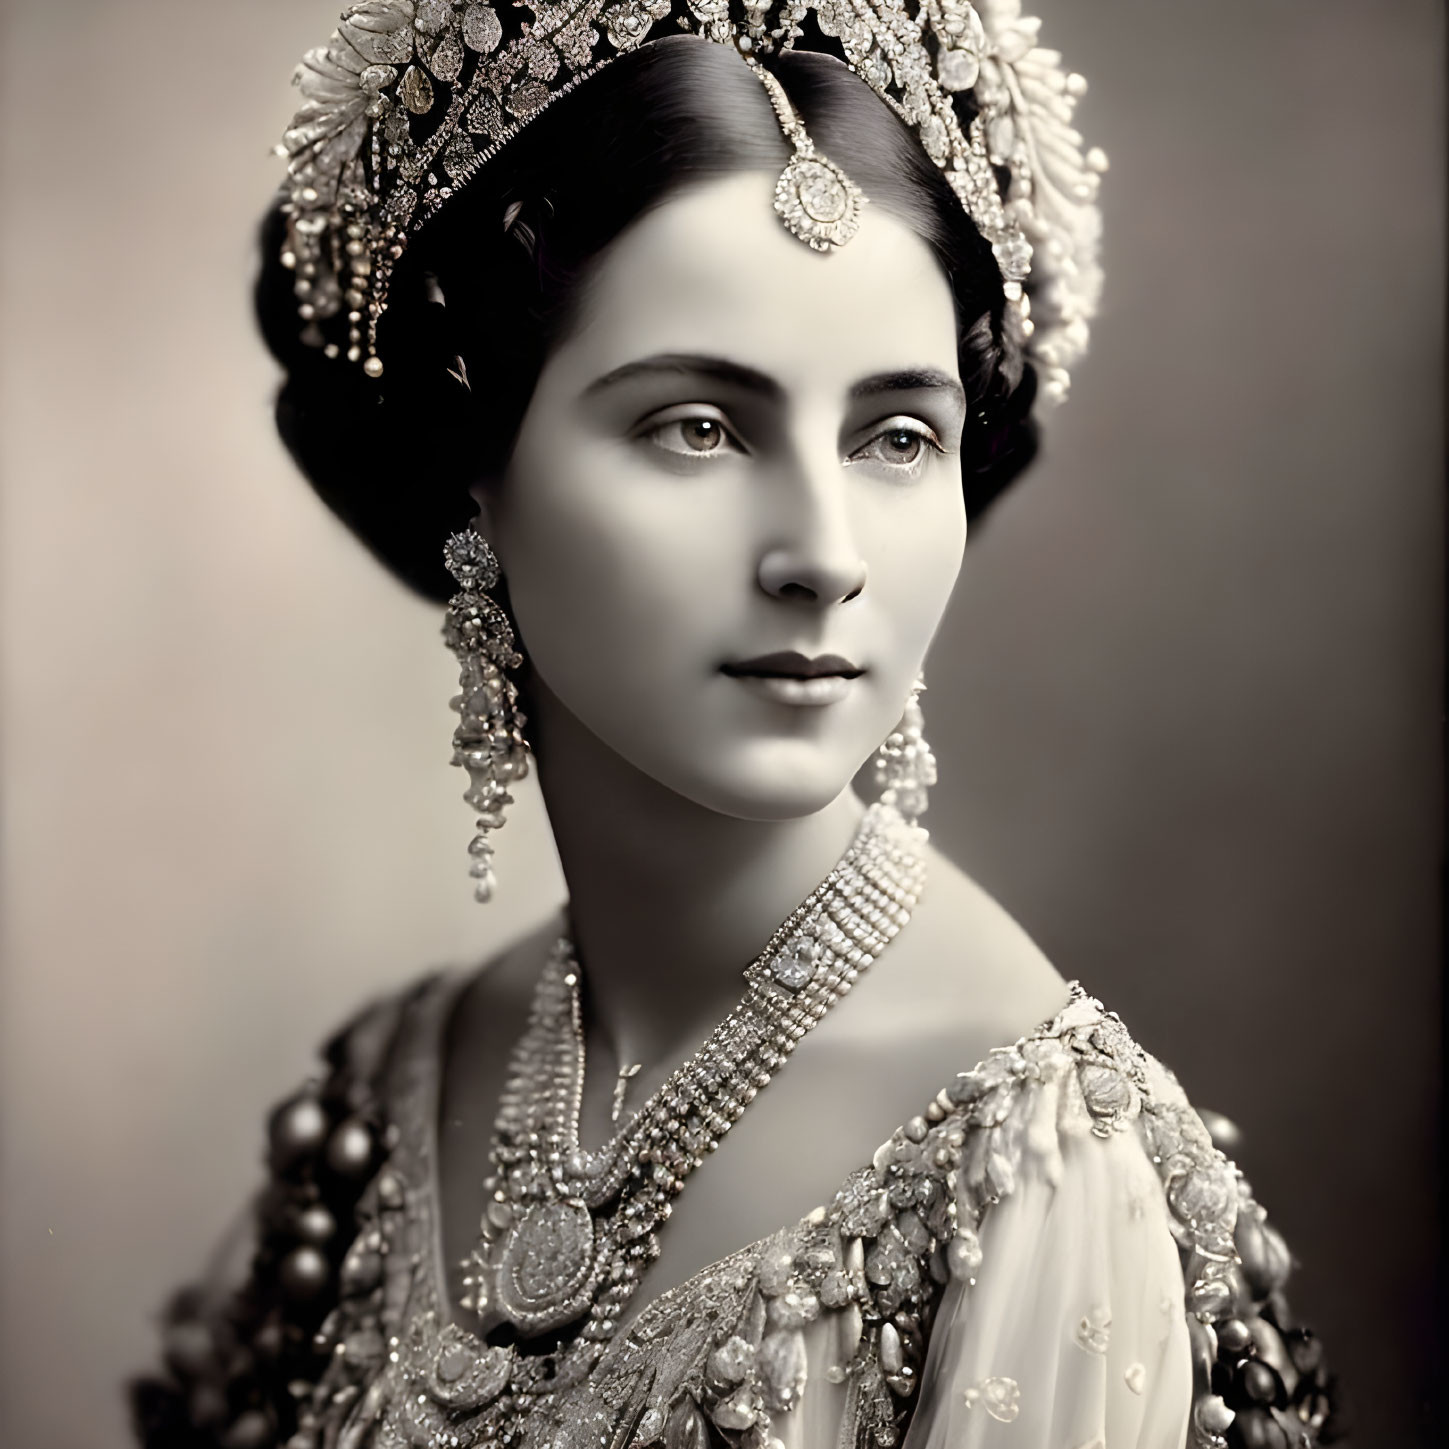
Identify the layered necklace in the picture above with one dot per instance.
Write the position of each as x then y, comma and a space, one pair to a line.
567, 1233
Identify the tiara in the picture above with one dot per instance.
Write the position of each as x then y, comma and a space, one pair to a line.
409, 99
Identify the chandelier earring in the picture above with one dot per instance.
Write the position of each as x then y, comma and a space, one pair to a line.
905, 767
489, 741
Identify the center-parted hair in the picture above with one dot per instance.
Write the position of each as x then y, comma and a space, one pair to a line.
497, 279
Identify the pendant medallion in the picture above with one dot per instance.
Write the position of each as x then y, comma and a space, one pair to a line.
546, 1270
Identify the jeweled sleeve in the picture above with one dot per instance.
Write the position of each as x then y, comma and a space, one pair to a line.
1069, 1331
238, 1343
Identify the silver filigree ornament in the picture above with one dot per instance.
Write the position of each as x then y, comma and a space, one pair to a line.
815, 199
567, 1232
489, 741
460, 1376
547, 1270
410, 98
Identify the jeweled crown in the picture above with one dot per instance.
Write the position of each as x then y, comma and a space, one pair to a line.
410, 98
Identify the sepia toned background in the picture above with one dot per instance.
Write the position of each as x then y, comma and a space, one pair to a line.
1187, 704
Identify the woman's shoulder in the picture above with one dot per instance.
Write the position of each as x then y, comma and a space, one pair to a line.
963, 977
1051, 1089
1079, 1108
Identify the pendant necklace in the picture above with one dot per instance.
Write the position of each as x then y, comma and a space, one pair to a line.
567, 1233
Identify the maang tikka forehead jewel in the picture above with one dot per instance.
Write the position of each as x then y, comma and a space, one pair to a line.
816, 199
410, 99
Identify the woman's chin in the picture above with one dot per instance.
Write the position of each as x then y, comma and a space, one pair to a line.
783, 792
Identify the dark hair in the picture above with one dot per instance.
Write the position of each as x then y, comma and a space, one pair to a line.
394, 459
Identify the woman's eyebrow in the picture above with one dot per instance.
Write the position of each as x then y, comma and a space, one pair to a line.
750, 379
911, 380
717, 369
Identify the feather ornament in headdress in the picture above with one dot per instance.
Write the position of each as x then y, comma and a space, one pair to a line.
410, 98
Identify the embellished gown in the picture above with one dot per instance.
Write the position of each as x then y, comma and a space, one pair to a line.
1053, 1255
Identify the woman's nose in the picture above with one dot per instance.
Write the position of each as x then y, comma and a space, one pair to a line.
816, 558
795, 574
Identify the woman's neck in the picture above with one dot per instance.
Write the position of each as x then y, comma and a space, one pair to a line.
669, 900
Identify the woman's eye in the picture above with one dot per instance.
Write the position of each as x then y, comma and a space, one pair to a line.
900, 447
692, 435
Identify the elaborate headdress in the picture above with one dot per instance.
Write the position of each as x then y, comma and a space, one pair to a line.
410, 98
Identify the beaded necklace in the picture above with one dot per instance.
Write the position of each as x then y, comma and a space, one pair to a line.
567, 1233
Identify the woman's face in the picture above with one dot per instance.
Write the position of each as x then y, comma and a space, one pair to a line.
745, 448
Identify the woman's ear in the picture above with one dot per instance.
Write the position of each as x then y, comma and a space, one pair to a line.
484, 521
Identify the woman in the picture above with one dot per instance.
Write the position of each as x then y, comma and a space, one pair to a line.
701, 351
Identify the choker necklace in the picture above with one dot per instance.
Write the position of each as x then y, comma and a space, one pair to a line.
567, 1233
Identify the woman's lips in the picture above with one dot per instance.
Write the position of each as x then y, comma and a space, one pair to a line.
788, 664
789, 677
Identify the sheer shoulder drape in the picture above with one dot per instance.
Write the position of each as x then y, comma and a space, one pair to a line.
1073, 1334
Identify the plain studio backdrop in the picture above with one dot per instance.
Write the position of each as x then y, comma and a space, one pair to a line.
1186, 703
